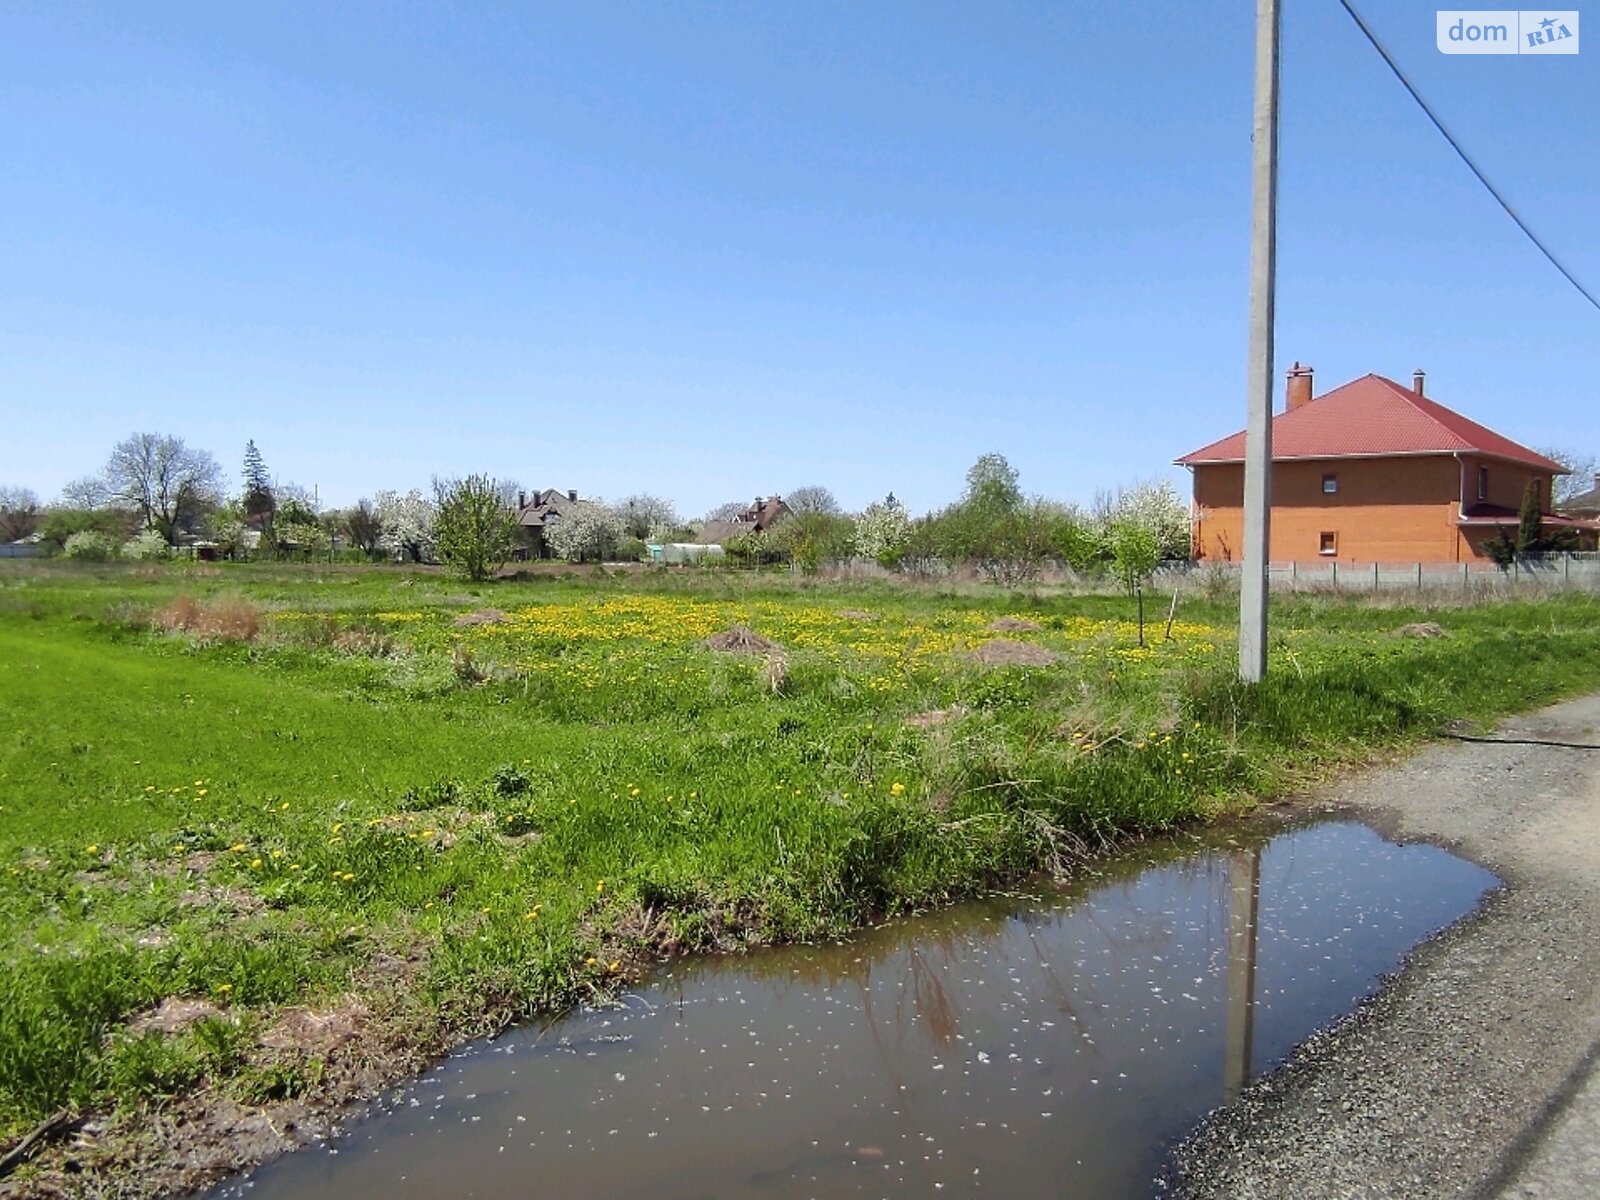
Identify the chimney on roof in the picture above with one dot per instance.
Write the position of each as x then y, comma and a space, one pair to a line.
1417, 377
522, 499
573, 495
1297, 394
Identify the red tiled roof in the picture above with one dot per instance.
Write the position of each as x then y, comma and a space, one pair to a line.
1374, 417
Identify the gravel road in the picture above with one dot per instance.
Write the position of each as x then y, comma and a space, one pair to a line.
1474, 1073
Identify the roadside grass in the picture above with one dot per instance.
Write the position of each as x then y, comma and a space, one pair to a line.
436, 808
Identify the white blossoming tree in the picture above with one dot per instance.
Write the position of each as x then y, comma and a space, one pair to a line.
883, 532
408, 523
589, 529
1153, 507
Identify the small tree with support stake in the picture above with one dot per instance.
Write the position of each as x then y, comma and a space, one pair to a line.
1135, 554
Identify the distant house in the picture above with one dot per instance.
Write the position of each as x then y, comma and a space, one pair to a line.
759, 517
1584, 504
536, 514
1374, 471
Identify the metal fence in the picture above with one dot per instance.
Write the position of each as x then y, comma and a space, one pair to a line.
1528, 571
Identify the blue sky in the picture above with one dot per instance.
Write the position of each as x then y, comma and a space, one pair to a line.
718, 251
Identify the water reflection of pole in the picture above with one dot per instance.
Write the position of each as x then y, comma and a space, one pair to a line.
1244, 885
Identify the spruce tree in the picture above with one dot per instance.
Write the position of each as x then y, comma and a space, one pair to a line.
259, 502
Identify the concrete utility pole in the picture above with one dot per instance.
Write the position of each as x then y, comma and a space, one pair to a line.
1263, 279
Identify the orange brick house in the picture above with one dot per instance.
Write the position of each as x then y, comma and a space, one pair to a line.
1373, 472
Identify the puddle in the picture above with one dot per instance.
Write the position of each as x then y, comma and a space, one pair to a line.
1049, 1045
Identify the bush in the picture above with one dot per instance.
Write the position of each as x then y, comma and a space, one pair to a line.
88, 546
475, 532
146, 547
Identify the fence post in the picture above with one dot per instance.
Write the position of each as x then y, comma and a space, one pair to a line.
1464, 568
1566, 568
1419, 577
1336, 572
1374, 577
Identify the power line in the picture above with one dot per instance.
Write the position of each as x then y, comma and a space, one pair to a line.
1464, 156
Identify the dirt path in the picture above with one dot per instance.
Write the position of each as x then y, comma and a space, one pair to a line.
1474, 1074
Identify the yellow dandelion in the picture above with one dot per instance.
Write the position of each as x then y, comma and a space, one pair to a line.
237, 848
92, 848
590, 961
255, 864
600, 887
897, 789
224, 987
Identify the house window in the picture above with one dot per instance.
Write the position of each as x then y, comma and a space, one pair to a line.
1330, 544
1330, 485
1483, 483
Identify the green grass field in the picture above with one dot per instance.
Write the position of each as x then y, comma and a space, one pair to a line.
263, 787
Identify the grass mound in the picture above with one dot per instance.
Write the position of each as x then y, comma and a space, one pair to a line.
742, 640
1003, 652
1013, 625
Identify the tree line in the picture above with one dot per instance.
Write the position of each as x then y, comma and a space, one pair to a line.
156, 492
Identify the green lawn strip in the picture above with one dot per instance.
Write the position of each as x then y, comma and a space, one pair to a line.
265, 825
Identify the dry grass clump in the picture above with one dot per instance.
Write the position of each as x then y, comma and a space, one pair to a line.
466, 668
1013, 625
229, 619
740, 640
1421, 629
1003, 652
363, 642
775, 673
486, 616
933, 718
175, 1014
313, 1032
